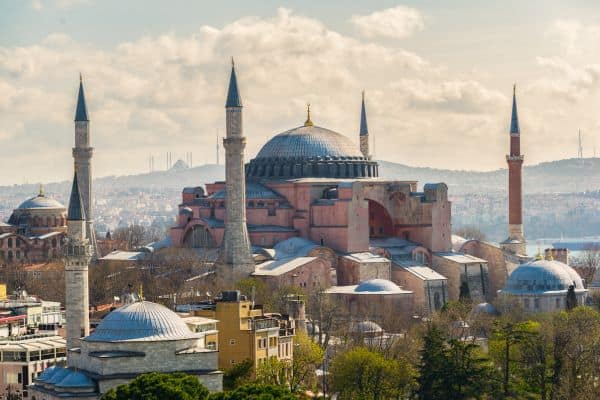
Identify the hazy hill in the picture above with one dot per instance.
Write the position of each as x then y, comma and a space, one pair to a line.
571, 175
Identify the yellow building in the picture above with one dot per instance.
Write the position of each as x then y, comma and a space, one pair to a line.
246, 332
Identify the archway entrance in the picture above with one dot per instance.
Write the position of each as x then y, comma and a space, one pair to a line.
380, 221
198, 236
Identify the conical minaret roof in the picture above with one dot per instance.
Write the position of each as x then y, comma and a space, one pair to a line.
364, 129
233, 94
81, 110
75, 212
514, 119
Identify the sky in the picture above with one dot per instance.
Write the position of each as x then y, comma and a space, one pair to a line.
437, 76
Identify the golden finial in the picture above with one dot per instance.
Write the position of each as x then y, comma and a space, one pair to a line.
141, 293
549, 256
308, 121
538, 256
41, 193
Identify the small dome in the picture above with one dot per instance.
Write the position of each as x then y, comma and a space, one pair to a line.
47, 373
40, 201
141, 321
365, 327
76, 379
186, 211
59, 374
378, 286
542, 276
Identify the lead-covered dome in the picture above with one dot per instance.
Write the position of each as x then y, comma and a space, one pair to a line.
542, 276
310, 151
40, 201
141, 321
378, 286
309, 141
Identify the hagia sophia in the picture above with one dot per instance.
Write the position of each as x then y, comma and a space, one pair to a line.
310, 211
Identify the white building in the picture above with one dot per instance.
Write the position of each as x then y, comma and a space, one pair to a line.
542, 285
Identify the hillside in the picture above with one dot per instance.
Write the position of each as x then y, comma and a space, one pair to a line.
571, 175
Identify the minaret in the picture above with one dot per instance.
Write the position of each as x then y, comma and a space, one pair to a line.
235, 250
82, 153
77, 253
516, 240
364, 130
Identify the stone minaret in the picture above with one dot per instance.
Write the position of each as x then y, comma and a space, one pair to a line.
82, 153
364, 130
77, 253
515, 243
235, 251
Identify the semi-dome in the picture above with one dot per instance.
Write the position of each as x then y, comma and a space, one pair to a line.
310, 151
542, 276
377, 286
141, 321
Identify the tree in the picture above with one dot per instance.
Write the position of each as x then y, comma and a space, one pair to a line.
587, 263
323, 312
367, 375
238, 375
576, 348
256, 392
157, 386
273, 372
454, 369
571, 301
507, 337
307, 357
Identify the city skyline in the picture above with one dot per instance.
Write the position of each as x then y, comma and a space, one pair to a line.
154, 85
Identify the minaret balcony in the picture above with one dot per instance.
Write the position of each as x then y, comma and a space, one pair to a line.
515, 158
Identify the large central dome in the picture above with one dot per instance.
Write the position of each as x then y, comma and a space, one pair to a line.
309, 141
310, 151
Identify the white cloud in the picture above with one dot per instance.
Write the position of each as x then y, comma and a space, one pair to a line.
167, 92
39, 5
397, 22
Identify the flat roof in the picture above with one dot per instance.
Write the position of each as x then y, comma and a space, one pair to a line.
278, 267
120, 255
365, 257
460, 257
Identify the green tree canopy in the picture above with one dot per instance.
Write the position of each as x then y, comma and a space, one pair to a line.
454, 369
239, 374
367, 375
157, 386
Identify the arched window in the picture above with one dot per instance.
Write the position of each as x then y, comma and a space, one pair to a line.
10, 242
54, 243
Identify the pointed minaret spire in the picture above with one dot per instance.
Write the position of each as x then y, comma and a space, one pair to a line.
515, 243
75, 212
233, 94
81, 110
235, 255
514, 119
364, 129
